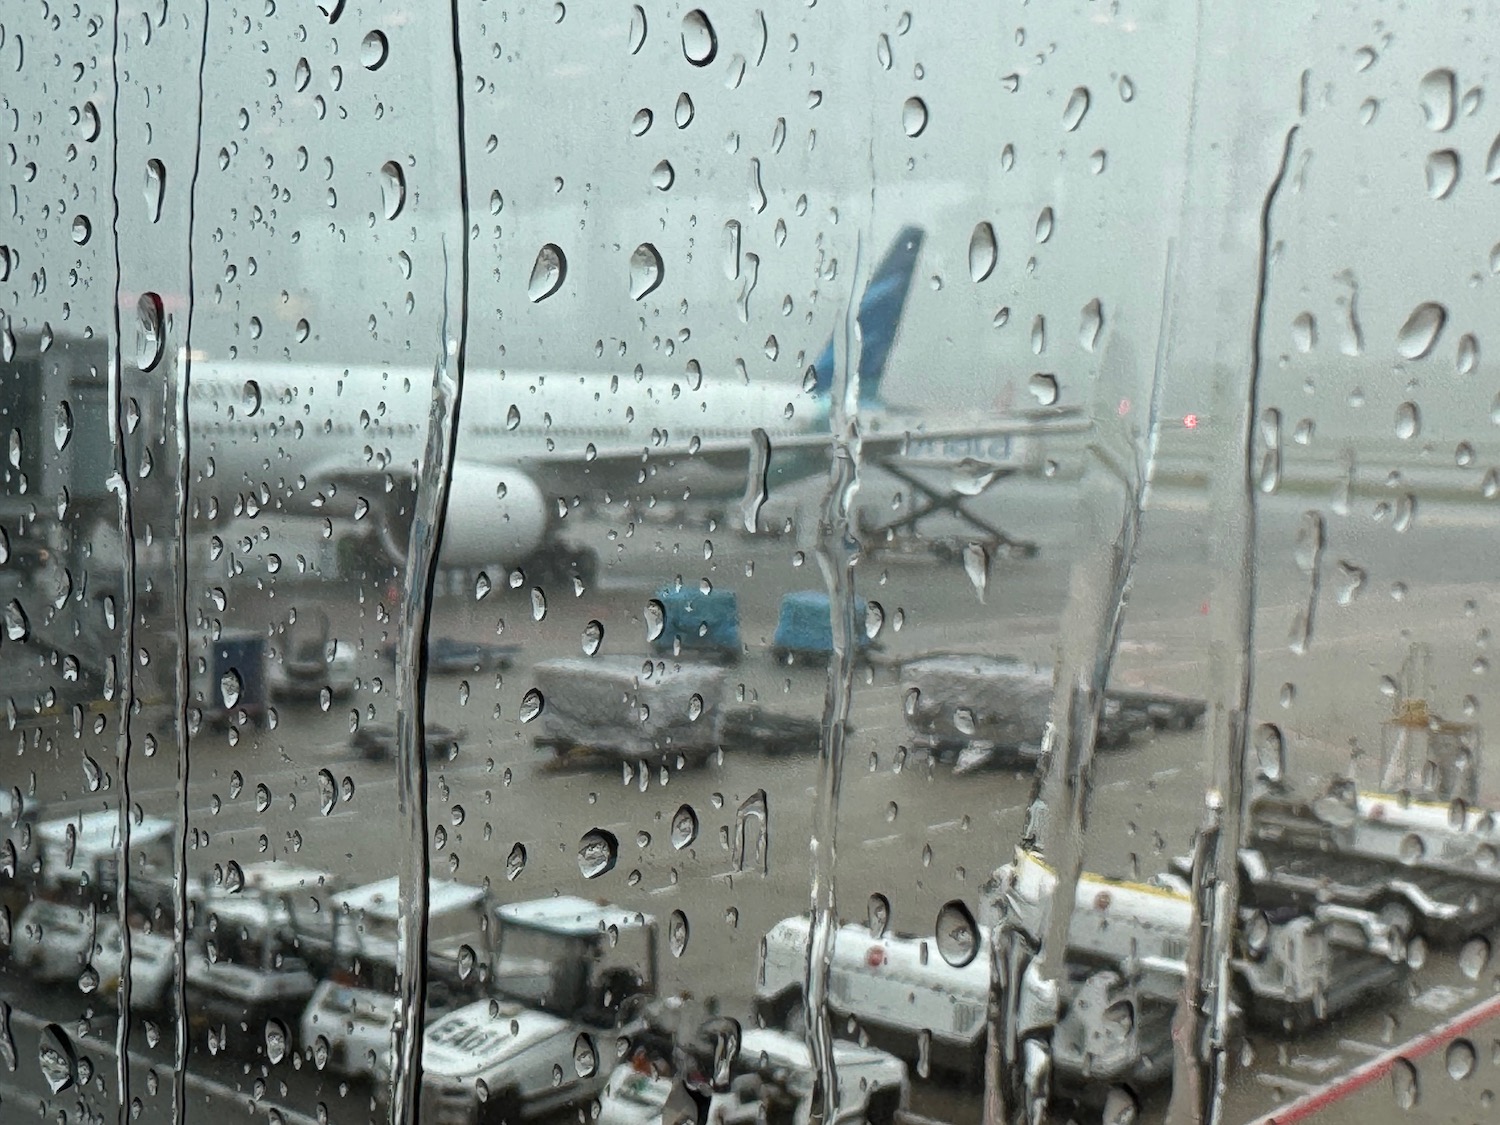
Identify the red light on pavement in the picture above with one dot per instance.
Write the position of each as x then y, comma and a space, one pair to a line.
1190, 421
875, 957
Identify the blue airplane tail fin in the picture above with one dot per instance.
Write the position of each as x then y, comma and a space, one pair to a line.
879, 317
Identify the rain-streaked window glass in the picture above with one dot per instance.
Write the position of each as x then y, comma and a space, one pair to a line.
633, 563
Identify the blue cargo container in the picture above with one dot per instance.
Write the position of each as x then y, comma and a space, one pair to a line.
805, 626
702, 623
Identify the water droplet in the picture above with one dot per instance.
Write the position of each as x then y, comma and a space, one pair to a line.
1411, 849
1404, 1086
1305, 332
548, 273
699, 43
684, 827
656, 619
538, 603
1044, 224
662, 176
878, 915
262, 797
512, 420
1349, 582
156, 184
1121, 1107
1492, 162
1090, 324
695, 707
645, 271
320, 1051
585, 1057
957, 934
983, 252
150, 337
373, 49
1441, 169
1460, 1059
515, 863
230, 686
593, 637
1043, 388
1270, 751
392, 188
481, 586
597, 852
82, 229
914, 116
677, 933
276, 1040
1076, 108
682, 112
1468, 354
1419, 334
977, 567
637, 29
59, 1061
531, 705
1437, 94
1408, 421
327, 792
641, 122
924, 1053
1474, 957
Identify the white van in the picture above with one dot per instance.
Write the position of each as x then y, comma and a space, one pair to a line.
349, 1016
570, 977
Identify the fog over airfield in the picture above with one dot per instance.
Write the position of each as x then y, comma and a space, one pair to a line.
1093, 139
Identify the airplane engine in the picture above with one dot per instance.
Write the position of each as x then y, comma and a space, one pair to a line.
496, 514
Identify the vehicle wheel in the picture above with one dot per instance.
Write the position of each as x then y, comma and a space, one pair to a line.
502, 1108
778, 1012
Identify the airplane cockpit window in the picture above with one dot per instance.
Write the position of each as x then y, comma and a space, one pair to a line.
623, 562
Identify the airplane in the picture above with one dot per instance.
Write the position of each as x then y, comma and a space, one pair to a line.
344, 442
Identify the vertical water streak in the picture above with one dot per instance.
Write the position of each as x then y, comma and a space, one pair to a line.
431, 507
1200, 1029
119, 484
837, 553
182, 669
1115, 483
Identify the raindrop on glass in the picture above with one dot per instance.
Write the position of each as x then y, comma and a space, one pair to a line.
597, 852
392, 188
645, 271
699, 43
1076, 108
914, 116
983, 252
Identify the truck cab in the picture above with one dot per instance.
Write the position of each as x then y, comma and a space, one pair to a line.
349, 1015
254, 948
906, 997
81, 853
569, 976
771, 1072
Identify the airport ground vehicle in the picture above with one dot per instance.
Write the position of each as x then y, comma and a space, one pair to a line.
377, 741
312, 667
82, 853
1109, 1019
349, 1014
1126, 948
895, 985
770, 1072
1415, 850
256, 948
65, 944
804, 628
959, 702
569, 976
607, 707
695, 623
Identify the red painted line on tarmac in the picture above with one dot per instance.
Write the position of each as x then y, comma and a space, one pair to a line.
1377, 1068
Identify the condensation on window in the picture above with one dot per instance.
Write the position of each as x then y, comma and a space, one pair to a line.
627, 562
